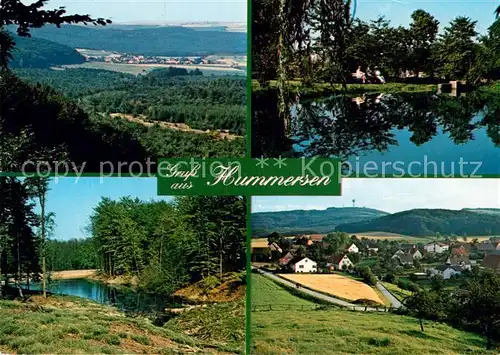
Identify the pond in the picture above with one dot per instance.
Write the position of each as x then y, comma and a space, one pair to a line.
434, 133
126, 299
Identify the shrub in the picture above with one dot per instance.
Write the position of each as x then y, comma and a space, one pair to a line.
113, 340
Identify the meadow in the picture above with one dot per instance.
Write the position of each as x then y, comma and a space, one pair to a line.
76, 325
331, 331
336, 285
136, 69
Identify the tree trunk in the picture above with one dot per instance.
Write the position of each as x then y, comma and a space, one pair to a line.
489, 340
1, 276
421, 325
44, 271
220, 258
161, 248
19, 268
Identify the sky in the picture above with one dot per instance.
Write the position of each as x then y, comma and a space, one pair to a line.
399, 11
394, 195
73, 203
158, 11
161, 11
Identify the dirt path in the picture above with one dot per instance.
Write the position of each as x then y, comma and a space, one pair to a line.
175, 126
73, 274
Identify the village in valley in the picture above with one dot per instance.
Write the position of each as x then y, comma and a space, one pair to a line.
207, 61
391, 260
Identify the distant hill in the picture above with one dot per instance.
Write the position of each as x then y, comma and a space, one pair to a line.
495, 211
167, 41
309, 221
42, 53
430, 222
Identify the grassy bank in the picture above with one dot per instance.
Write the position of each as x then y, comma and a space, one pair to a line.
122, 280
319, 89
323, 88
335, 331
62, 324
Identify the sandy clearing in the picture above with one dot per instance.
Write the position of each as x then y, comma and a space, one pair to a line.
73, 274
336, 285
174, 126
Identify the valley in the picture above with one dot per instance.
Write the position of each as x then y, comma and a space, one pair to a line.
184, 96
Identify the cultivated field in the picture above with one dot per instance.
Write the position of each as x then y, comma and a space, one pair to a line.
262, 242
259, 243
338, 332
408, 239
336, 285
137, 69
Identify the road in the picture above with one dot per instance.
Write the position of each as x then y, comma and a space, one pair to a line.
320, 296
394, 301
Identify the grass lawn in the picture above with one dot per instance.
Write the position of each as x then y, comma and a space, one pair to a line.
335, 331
449, 285
367, 262
266, 291
68, 325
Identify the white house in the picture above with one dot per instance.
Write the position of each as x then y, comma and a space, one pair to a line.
339, 262
447, 271
398, 254
416, 254
304, 265
436, 247
353, 249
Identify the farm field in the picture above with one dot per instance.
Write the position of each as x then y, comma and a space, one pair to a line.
137, 69
334, 331
336, 285
262, 242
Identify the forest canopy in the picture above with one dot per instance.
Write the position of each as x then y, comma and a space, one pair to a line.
165, 244
319, 41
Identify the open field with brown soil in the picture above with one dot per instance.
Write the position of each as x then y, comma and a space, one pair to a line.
262, 242
336, 285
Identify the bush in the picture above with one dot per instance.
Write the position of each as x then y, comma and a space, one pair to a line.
413, 287
402, 284
391, 278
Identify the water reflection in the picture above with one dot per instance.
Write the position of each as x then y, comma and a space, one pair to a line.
124, 298
373, 127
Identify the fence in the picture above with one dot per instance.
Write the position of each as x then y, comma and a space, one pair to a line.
315, 307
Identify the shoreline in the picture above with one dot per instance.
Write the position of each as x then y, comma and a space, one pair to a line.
72, 274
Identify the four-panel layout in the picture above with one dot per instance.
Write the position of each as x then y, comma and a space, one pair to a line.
94, 259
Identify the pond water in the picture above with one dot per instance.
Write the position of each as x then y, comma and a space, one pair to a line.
435, 133
124, 298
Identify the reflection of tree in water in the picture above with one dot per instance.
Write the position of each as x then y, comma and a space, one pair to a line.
343, 126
